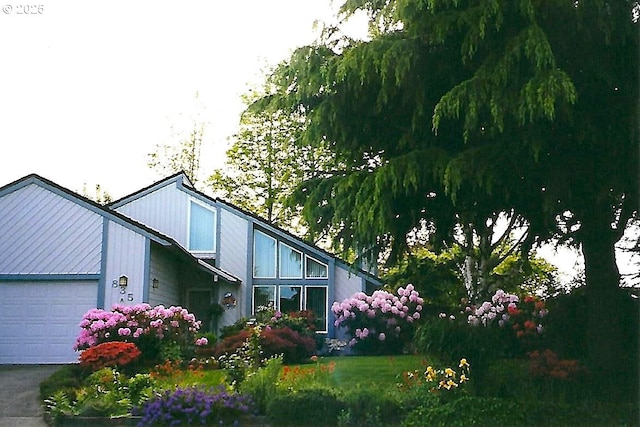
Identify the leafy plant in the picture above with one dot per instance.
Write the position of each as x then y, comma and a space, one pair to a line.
261, 383
317, 406
106, 393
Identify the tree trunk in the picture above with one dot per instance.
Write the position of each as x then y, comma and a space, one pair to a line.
606, 340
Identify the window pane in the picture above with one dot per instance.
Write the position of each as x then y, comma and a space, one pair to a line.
290, 262
316, 302
316, 269
264, 297
290, 298
264, 255
202, 229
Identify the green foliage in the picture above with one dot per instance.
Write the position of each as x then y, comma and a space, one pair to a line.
265, 162
450, 340
317, 406
104, 393
455, 112
369, 407
64, 379
261, 383
491, 411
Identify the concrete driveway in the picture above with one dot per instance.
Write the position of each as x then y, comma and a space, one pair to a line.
20, 394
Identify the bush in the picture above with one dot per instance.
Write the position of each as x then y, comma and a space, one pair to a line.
109, 354
294, 347
381, 323
449, 340
368, 407
152, 329
308, 407
496, 412
273, 341
193, 405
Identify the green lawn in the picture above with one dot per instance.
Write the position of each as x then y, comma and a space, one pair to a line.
378, 371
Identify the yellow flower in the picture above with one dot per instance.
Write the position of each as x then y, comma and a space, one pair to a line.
463, 362
449, 372
463, 378
451, 384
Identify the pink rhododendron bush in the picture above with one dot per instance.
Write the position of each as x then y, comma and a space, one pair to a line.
381, 323
159, 332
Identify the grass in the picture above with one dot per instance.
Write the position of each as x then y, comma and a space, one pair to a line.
377, 371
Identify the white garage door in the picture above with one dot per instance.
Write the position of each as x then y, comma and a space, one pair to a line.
39, 320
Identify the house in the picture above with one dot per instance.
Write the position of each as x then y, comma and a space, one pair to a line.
62, 254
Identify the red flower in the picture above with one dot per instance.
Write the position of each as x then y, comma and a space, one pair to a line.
113, 353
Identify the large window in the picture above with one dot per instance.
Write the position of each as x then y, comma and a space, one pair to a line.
293, 298
287, 279
202, 228
264, 256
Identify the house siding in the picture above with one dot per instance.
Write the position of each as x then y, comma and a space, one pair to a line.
346, 284
127, 252
45, 233
165, 210
164, 268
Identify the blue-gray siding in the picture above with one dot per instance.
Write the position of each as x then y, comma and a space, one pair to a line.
165, 210
44, 233
126, 250
164, 269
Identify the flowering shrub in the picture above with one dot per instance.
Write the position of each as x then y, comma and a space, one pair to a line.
547, 364
381, 322
112, 354
193, 406
525, 318
148, 327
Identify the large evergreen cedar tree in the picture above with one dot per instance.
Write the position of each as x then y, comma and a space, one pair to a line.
456, 110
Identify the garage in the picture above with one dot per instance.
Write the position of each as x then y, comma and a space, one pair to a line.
40, 319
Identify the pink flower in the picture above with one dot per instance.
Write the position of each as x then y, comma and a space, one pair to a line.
202, 341
123, 332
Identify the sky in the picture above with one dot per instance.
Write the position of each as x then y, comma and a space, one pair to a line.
88, 89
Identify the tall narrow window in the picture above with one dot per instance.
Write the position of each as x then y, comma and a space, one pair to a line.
316, 301
290, 298
202, 228
290, 262
264, 255
264, 297
316, 269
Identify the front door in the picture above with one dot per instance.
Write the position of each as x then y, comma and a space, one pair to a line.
199, 303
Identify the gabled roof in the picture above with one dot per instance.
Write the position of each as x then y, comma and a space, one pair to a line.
182, 181
115, 216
